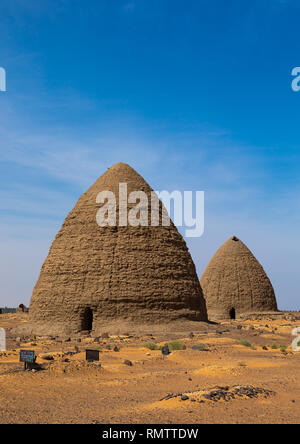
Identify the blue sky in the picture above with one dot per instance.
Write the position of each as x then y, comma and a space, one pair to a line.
194, 95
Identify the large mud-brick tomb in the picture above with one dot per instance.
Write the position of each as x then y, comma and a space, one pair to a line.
234, 283
103, 278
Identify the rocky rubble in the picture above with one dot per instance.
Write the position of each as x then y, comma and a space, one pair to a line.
225, 393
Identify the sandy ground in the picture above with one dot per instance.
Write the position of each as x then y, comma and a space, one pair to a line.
70, 390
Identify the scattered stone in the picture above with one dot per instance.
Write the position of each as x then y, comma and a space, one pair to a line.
96, 364
224, 394
191, 335
47, 357
170, 396
116, 349
225, 388
69, 353
127, 362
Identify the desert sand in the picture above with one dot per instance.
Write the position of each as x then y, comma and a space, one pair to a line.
226, 382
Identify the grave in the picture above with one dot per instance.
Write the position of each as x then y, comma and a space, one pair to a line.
28, 358
91, 355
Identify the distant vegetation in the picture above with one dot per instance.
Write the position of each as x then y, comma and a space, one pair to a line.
242, 364
289, 311
245, 343
7, 310
175, 345
151, 346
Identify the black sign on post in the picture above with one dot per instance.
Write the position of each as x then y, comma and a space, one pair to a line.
165, 350
28, 357
92, 355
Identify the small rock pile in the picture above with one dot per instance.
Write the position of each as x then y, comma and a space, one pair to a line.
222, 394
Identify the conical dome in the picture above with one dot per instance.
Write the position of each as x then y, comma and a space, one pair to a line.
235, 283
97, 277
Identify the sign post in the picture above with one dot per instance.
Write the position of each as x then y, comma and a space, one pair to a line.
165, 351
91, 355
28, 357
